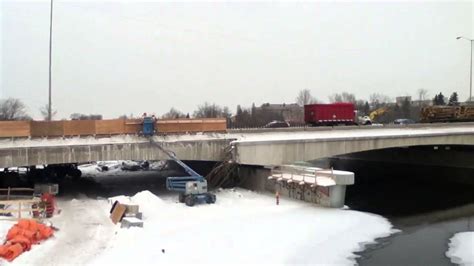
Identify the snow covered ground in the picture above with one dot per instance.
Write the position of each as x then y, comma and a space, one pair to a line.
84, 232
242, 227
461, 248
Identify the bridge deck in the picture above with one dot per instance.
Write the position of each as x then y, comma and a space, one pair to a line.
259, 147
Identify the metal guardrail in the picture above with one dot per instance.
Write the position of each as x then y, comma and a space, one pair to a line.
329, 128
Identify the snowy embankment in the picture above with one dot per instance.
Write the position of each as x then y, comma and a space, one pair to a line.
242, 227
84, 231
461, 248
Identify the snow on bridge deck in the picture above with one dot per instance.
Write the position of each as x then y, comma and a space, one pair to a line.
257, 135
253, 147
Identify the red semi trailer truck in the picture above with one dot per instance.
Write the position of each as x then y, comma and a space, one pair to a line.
330, 114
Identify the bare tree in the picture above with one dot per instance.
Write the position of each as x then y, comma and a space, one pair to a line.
422, 95
377, 99
304, 97
173, 114
13, 109
208, 110
45, 112
343, 97
78, 116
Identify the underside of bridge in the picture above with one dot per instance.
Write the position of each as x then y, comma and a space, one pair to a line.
396, 181
403, 181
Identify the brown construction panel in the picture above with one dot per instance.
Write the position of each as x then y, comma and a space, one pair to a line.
47, 129
14, 128
79, 127
117, 213
214, 125
133, 126
165, 127
108, 127
190, 125
178, 125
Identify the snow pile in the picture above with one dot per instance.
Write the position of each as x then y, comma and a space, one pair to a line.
242, 227
147, 201
461, 248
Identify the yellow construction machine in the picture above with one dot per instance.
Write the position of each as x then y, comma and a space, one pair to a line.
378, 112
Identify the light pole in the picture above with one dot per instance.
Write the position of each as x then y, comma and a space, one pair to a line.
470, 72
50, 51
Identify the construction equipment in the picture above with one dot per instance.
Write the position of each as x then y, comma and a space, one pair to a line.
364, 120
148, 125
192, 189
378, 112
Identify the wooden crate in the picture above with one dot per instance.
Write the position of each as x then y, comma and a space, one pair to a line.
109, 127
47, 129
79, 127
15, 128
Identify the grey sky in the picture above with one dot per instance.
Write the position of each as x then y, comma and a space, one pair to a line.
116, 58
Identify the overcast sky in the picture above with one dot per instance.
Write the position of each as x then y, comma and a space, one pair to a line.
115, 58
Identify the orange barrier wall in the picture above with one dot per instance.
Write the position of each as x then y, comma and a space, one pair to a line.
106, 127
79, 127
132, 126
110, 127
47, 129
14, 128
190, 125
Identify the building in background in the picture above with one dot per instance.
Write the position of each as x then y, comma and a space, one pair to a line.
401, 99
292, 112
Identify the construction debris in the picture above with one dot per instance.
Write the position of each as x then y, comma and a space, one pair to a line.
128, 222
21, 236
128, 214
117, 212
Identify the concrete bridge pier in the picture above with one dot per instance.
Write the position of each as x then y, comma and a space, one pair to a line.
257, 178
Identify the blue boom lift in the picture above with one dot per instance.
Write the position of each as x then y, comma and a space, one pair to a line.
192, 189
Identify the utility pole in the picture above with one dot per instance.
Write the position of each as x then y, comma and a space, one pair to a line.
470, 72
50, 51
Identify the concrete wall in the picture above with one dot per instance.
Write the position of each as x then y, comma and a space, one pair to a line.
209, 150
289, 151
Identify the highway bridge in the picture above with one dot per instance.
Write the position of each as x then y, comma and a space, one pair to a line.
249, 147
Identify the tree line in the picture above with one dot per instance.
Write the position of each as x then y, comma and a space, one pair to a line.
258, 116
